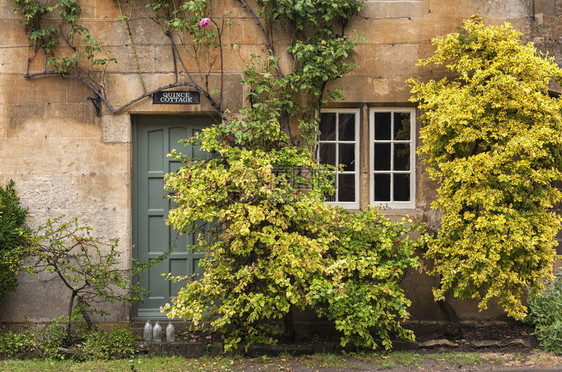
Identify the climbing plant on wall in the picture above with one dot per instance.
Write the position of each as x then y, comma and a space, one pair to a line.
492, 138
319, 48
278, 247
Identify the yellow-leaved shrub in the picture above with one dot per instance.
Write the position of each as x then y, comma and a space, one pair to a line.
492, 139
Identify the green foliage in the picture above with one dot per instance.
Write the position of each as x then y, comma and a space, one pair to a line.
277, 246
16, 344
117, 343
53, 342
32, 11
550, 337
546, 308
321, 53
185, 17
358, 289
545, 313
491, 139
61, 333
89, 267
47, 38
13, 237
317, 16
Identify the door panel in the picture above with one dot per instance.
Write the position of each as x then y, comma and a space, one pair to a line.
153, 138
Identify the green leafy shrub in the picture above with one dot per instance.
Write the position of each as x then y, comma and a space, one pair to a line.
18, 344
358, 288
545, 313
89, 267
277, 248
13, 236
60, 334
550, 336
117, 343
491, 139
49, 342
53, 342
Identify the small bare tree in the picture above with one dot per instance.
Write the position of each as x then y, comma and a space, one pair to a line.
89, 267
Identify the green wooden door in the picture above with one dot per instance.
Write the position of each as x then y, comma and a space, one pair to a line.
153, 137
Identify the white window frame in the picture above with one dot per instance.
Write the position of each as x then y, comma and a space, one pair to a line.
357, 171
412, 172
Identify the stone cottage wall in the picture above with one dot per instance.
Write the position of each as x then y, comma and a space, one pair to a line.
546, 34
66, 160
546, 27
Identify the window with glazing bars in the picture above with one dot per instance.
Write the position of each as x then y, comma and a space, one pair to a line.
339, 145
392, 149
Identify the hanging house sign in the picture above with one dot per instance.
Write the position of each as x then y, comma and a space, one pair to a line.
176, 98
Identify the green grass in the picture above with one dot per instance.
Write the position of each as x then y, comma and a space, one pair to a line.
391, 360
498, 360
407, 359
334, 361
396, 359
346, 362
141, 364
457, 358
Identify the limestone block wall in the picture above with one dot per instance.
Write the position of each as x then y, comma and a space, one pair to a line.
546, 27
66, 160
546, 34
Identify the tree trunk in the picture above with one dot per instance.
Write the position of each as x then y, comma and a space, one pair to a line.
83, 306
70, 308
446, 307
452, 316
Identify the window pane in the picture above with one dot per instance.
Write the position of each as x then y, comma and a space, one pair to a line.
401, 125
327, 127
382, 187
346, 188
328, 153
382, 156
347, 156
347, 127
402, 187
401, 156
382, 125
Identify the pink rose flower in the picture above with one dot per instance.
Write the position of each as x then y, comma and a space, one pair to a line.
204, 22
